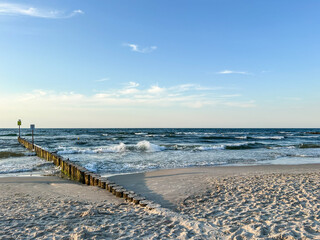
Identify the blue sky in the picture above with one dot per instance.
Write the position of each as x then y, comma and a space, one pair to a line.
214, 63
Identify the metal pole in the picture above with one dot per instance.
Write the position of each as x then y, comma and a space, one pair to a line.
32, 139
19, 131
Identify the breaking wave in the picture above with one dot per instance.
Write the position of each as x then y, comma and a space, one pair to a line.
142, 146
233, 146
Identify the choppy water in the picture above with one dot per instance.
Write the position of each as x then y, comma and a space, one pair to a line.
116, 151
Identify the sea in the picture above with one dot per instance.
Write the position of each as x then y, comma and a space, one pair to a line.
122, 151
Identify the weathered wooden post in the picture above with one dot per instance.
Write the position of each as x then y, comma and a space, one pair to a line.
19, 124
32, 129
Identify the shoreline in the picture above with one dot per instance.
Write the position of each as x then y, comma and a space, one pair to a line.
55, 172
210, 166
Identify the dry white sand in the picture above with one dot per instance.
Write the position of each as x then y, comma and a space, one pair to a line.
258, 202
53, 208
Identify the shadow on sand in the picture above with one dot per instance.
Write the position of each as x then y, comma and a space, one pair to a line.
151, 187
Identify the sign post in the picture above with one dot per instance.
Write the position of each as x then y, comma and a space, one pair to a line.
19, 124
32, 129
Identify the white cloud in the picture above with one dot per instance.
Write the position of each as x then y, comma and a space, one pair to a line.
135, 48
102, 80
128, 91
23, 10
233, 72
244, 104
193, 87
130, 88
78, 11
155, 89
231, 95
292, 98
184, 87
132, 85
130, 96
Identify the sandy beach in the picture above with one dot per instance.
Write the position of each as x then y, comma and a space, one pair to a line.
252, 202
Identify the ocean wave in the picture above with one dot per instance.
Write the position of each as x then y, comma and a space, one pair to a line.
217, 137
269, 137
91, 167
210, 137
309, 145
9, 135
121, 147
142, 146
303, 155
241, 137
314, 136
208, 148
243, 146
241, 161
187, 133
17, 170
232, 146
155, 135
282, 147
149, 147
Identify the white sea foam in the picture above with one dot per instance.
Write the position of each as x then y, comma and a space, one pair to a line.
149, 147
155, 135
222, 146
307, 136
145, 146
187, 133
242, 137
121, 147
141, 133
70, 151
270, 137
208, 148
283, 147
91, 167
239, 144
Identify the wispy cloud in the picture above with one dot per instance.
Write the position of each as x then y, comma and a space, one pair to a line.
132, 85
292, 98
102, 80
136, 48
130, 88
193, 87
156, 89
24, 10
233, 72
129, 96
184, 95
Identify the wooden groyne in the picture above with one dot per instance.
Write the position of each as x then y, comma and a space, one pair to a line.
84, 176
